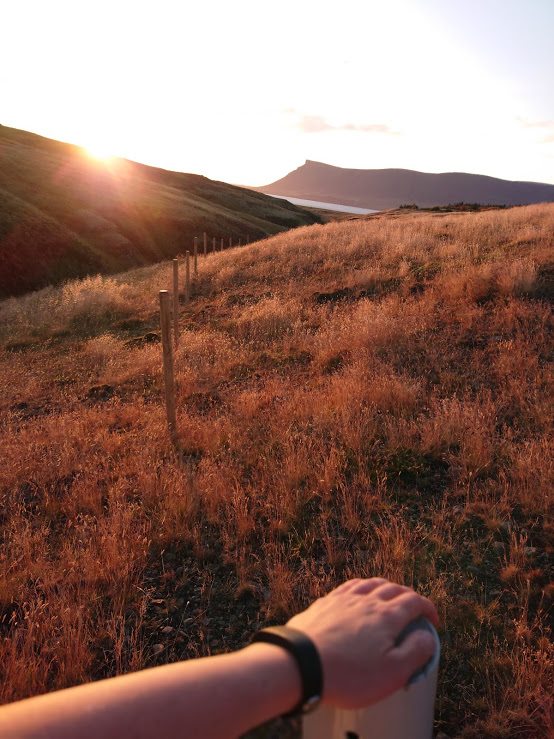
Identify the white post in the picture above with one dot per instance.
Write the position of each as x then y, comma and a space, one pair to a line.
407, 713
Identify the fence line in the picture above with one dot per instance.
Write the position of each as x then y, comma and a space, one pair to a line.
187, 278
169, 379
165, 323
176, 301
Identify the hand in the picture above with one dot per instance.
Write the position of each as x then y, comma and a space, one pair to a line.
354, 629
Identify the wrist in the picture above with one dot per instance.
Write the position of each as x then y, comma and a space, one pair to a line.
278, 675
307, 659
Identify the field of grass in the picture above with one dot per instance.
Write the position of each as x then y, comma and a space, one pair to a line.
369, 397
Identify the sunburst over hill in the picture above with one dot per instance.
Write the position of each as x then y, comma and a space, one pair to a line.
66, 214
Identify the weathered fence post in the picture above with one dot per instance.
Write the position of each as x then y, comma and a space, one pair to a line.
205, 244
176, 301
169, 381
248, 239
221, 247
230, 242
240, 242
195, 256
187, 278
213, 245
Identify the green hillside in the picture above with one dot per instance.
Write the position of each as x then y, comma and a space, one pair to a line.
64, 214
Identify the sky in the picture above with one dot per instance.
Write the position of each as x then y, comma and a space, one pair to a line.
246, 91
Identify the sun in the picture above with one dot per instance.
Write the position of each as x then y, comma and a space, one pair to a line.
98, 151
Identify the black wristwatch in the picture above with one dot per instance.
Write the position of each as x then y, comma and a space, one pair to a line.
307, 658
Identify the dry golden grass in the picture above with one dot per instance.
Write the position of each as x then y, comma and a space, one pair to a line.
361, 398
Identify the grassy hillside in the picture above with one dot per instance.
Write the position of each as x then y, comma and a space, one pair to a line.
64, 214
363, 398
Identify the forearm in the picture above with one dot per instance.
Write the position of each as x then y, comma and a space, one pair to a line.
214, 698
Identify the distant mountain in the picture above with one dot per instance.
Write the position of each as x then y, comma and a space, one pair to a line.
63, 214
388, 188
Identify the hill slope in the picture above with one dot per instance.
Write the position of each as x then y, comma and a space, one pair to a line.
64, 214
364, 398
389, 188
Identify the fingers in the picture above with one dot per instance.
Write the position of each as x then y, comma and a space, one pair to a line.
390, 590
416, 649
364, 587
405, 604
359, 586
408, 606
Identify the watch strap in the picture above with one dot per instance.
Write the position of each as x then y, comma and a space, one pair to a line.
307, 658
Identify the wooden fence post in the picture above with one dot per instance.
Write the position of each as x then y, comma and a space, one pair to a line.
248, 239
205, 244
230, 242
187, 278
176, 301
169, 380
240, 242
195, 256
213, 245
221, 247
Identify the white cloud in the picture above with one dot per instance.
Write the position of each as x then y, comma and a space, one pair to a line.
318, 124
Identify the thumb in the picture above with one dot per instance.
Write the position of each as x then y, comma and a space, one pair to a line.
416, 649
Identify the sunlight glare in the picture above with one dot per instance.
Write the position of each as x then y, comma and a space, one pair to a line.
98, 151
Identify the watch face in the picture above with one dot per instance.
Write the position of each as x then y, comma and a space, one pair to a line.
312, 703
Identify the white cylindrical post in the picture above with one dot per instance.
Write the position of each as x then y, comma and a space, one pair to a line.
407, 713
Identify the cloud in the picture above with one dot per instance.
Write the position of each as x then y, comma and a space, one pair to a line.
313, 124
318, 124
549, 138
535, 124
369, 128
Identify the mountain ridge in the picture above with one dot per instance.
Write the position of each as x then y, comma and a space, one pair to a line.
383, 189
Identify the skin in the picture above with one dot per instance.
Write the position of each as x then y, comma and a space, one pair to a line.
354, 629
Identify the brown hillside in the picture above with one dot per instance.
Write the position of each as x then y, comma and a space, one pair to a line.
356, 399
64, 214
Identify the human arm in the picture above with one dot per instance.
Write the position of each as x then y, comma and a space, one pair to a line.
353, 628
